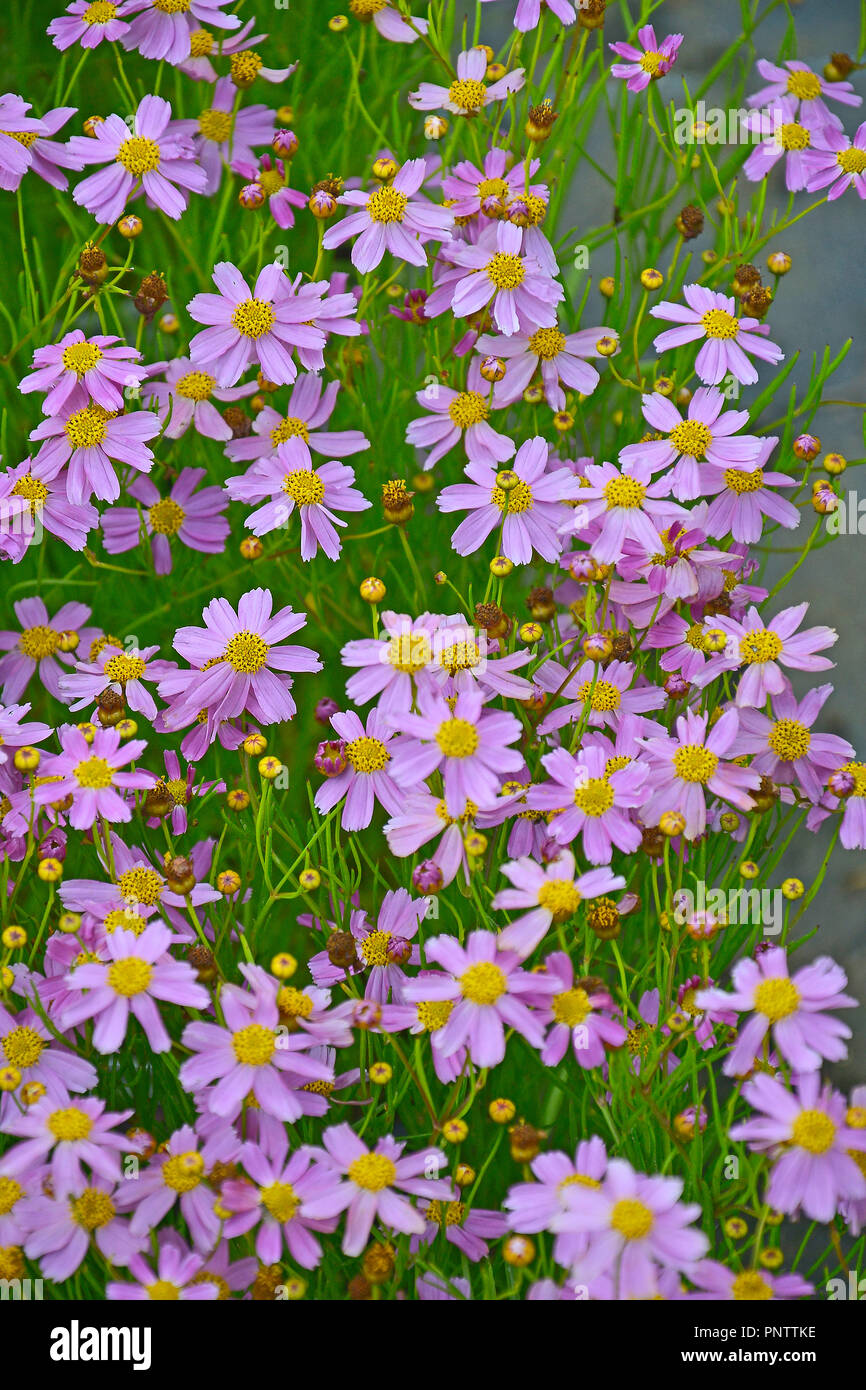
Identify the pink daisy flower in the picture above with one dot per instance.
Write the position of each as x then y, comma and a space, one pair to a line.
89, 440
60, 1229
528, 13
392, 24
74, 1132
88, 23
421, 818
15, 734
92, 774
703, 437
18, 133
391, 219
273, 1197
468, 744
742, 500
533, 1205
150, 156
384, 947
122, 671
272, 177
194, 517
163, 31
718, 1282
651, 60
310, 406
288, 481
609, 691
174, 1278
836, 160
455, 415
711, 315
519, 294
583, 797
186, 398
182, 789
223, 136
798, 82
806, 1134
469, 93
491, 188
27, 1045
79, 369
785, 748
785, 138
45, 156
560, 357
41, 645
683, 769
617, 505
579, 1014
465, 659
394, 666
528, 502
546, 896
467, 1228
367, 776
764, 648
177, 1174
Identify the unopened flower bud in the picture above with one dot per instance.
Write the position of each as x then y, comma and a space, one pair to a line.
427, 877
331, 758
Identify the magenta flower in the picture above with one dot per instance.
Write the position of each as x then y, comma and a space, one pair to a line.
309, 408
635, 1225
617, 505
185, 398
122, 671
177, 1174
546, 895
528, 12
273, 1197
719, 1283
88, 23
40, 646
838, 161
785, 138
59, 1229
391, 219
797, 81
584, 798
684, 768
264, 326
74, 1132
609, 691
742, 500
18, 133
91, 773
455, 414
182, 789
518, 293
490, 189
394, 666
195, 518
175, 1276
806, 1134
140, 884
560, 357
528, 502
27, 1045
651, 60
469, 94
44, 155
422, 817
272, 177
364, 1182
468, 744
579, 1014
89, 440
485, 985
247, 661
792, 1006
533, 1205
222, 136
367, 777
703, 437
162, 29
289, 481
153, 157
764, 649
465, 659
79, 369
785, 748
711, 315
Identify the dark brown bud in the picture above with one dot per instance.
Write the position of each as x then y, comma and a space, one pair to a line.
238, 421
378, 1264
152, 294
690, 222
840, 66
526, 1142
757, 301
621, 645
603, 918
110, 709
491, 619
266, 1283
359, 1289
202, 961
540, 120
397, 502
158, 801
653, 842
92, 265
180, 874
746, 277
720, 604
766, 796
591, 13
341, 949
541, 605
333, 184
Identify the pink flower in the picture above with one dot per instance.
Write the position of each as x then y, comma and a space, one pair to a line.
79, 369
421, 818
546, 895
368, 776
185, 398
490, 189
88, 24
173, 1278
394, 666
519, 294
703, 437
272, 177
763, 648
73, 1132
152, 157
177, 1174
222, 135
651, 60
289, 481
786, 138
528, 13
741, 500
15, 154
310, 407
89, 440
615, 506
91, 773
785, 748
163, 31
194, 518
39, 647
468, 744
468, 94
609, 691
579, 1014
457, 413
59, 1229
838, 161
560, 357
389, 220
584, 798
722, 1283
273, 1197
682, 768
27, 1045
710, 314
122, 671
797, 81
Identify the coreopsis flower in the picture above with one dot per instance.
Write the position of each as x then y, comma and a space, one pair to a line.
33, 499
546, 895
468, 744
307, 1009
784, 138
741, 500
93, 775
288, 481
816, 1155
530, 504
635, 1226
579, 1014
228, 1276
45, 156
150, 156
683, 769
501, 278
88, 441
588, 795
679, 566
533, 1205
560, 357
40, 646
610, 692
247, 661
792, 1007
88, 22
420, 819
388, 20
467, 1228
272, 177
456, 414
79, 369
163, 29
177, 1174
140, 885
367, 777
14, 733
785, 748
74, 1131
491, 188
139, 971
852, 834
528, 13
652, 59
175, 1277
796, 81
469, 93
719, 1283
392, 666
704, 437
60, 1228
837, 161
764, 648
485, 985
223, 136
616, 505
384, 947
194, 517
683, 643
711, 315
186, 398
391, 219
264, 326
309, 408
18, 133
125, 671
182, 789
27, 1045
272, 1197
465, 659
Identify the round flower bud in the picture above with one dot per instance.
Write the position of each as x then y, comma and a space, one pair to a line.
7, 978
455, 1131
779, 262
384, 168
464, 1174
597, 646
715, 640
676, 686
324, 709
664, 385
331, 758
518, 1251
14, 937
736, 1228
534, 395
651, 279
254, 744
607, 346
283, 965
372, 590
492, 368
475, 843
502, 1111
50, 870
841, 783
500, 565
228, 882
834, 464
771, 1257
807, 447
749, 869
169, 323
10, 1077
672, 823
269, 767
824, 500
309, 880
337, 23
495, 72
380, 1073
31, 1092
285, 143
427, 878
435, 127
237, 799
252, 195
251, 548
530, 632
607, 286
729, 820
180, 874
793, 888
89, 126
322, 204
26, 759
130, 226
88, 730
69, 922
440, 577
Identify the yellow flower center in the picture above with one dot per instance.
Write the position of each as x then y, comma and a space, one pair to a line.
572, 1007
100, 12
560, 897
776, 999
691, 438
603, 697
651, 62
367, 754
124, 668
505, 271
805, 86
387, 205
270, 181
494, 188
130, 976
695, 763
254, 1045
138, 155
483, 983
457, 738
95, 773
81, 357
577, 1180
514, 500
162, 1291
195, 386
305, 487
23, 1047
290, 428
10, 1193
624, 492
244, 67
86, 428
247, 652
789, 739
750, 1287
216, 125
36, 492
744, 482
467, 408
373, 1172
141, 885
792, 136
410, 652
760, 646
39, 642
184, 1171
631, 1218
294, 1003
200, 43
365, 9
281, 1200
119, 919
718, 323
166, 517
432, 1014
852, 161
813, 1131
172, 6
374, 947
92, 1209
595, 796
70, 1124
466, 94
547, 343
253, 318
